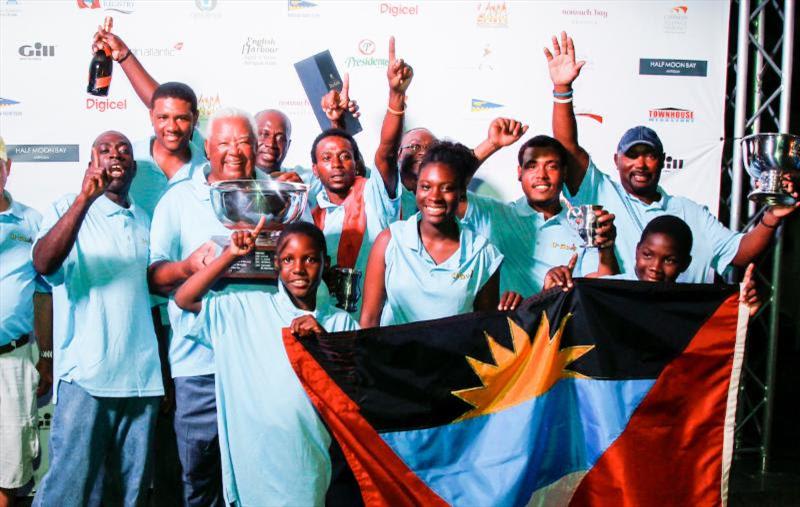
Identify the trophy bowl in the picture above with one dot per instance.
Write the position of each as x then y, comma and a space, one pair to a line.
767, 157
240, 204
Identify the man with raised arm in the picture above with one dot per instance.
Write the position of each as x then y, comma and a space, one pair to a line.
638, 198
93, 249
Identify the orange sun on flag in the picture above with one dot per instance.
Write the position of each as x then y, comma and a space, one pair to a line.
521, 374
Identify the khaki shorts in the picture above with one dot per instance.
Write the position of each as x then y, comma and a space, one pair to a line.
19, 435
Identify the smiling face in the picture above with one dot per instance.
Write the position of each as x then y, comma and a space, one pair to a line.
300, 264
274, 136
639, 170
541, 176
659, 258
413, 147
173, 123
438, 192
335, 165
231, 149
115, 156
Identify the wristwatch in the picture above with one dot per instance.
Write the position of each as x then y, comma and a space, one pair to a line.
46, 354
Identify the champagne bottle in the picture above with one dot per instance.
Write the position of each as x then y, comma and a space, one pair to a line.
101, 66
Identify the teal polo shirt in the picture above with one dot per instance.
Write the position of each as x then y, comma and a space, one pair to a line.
419, 289
714, 245
274, 447
103, 331
19, 225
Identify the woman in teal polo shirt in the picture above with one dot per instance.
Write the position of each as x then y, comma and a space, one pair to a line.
429, 266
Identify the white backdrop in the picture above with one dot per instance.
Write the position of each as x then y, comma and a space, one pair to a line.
473, 61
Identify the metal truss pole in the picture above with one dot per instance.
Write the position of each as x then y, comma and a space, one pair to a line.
740, 112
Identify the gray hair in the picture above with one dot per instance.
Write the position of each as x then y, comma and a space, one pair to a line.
231, 112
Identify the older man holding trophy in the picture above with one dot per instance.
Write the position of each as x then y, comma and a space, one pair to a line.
223, 195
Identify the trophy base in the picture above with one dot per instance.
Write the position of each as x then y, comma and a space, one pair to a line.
257, 265
779, 198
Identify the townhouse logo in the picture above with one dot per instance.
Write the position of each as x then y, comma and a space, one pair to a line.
479, 105
397, 9
670, 115
8, 108
165, 51
366, 48
105, 105
36, 51
43, 152
586, 16
119, 6
302, 9
260, 51
676, 20
673, 164
592, 116
668, 67
492, 15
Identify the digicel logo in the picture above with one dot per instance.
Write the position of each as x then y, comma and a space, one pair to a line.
103, 105
399, 9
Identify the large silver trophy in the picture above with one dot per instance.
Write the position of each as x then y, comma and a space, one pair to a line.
767, 158
240, 204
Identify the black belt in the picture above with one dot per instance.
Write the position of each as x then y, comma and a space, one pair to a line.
15, 344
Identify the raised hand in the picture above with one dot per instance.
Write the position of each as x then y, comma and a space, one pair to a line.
200, 258
561, 276
561, 62
95, 180
305, 326
290, 176
107, 41
335, 103
398, 72
606, 231
505, 132
243, 242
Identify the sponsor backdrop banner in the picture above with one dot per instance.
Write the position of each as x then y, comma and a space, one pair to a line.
655, 63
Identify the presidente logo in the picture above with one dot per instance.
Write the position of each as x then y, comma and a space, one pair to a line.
492, 15
36, 51
8, 107
668, 67
670, 115
43, 152
166, 51
677, 20
479, 105
260, 51
120, 6
585, 16
397, 9
366, 48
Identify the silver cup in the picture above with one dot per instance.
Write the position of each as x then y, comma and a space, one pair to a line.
767, 157
584, 219
346, 287
240, 204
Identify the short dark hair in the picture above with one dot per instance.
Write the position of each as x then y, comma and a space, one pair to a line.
455, 155
306, 229
547, 142
333, 132
175, 90
673, 227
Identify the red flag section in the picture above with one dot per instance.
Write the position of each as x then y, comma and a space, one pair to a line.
382, 476
634, 471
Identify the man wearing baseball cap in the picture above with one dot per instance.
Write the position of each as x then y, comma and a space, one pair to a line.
637, 198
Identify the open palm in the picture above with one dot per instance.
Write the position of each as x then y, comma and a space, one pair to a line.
561, 61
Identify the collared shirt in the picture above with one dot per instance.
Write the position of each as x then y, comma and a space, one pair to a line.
714, 245
104, 339
18, 280
150, 182
531, 244
274, 446
381, 210
419, 289
408, 202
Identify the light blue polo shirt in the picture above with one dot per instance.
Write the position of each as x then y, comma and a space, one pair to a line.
630, 275
531, 244
419, 289
150, 182
714, 245
18, 280
274, 446
105, 341
380, 210
408, 202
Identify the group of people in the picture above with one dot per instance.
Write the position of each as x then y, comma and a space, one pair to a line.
141, 311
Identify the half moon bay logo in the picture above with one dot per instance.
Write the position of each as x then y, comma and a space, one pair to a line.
669, 67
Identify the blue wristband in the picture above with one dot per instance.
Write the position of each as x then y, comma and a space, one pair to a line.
562, 94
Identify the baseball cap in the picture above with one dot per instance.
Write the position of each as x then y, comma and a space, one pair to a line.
640, 135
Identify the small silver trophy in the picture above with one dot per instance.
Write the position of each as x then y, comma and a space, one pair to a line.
345, 284
584, 219
240, 204
767, 157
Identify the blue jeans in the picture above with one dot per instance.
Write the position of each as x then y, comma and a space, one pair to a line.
92, 437
198, 440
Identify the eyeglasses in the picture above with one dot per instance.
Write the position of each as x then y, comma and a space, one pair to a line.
414, 148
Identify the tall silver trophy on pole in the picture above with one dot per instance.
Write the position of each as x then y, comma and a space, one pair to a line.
240, 204
767, 158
